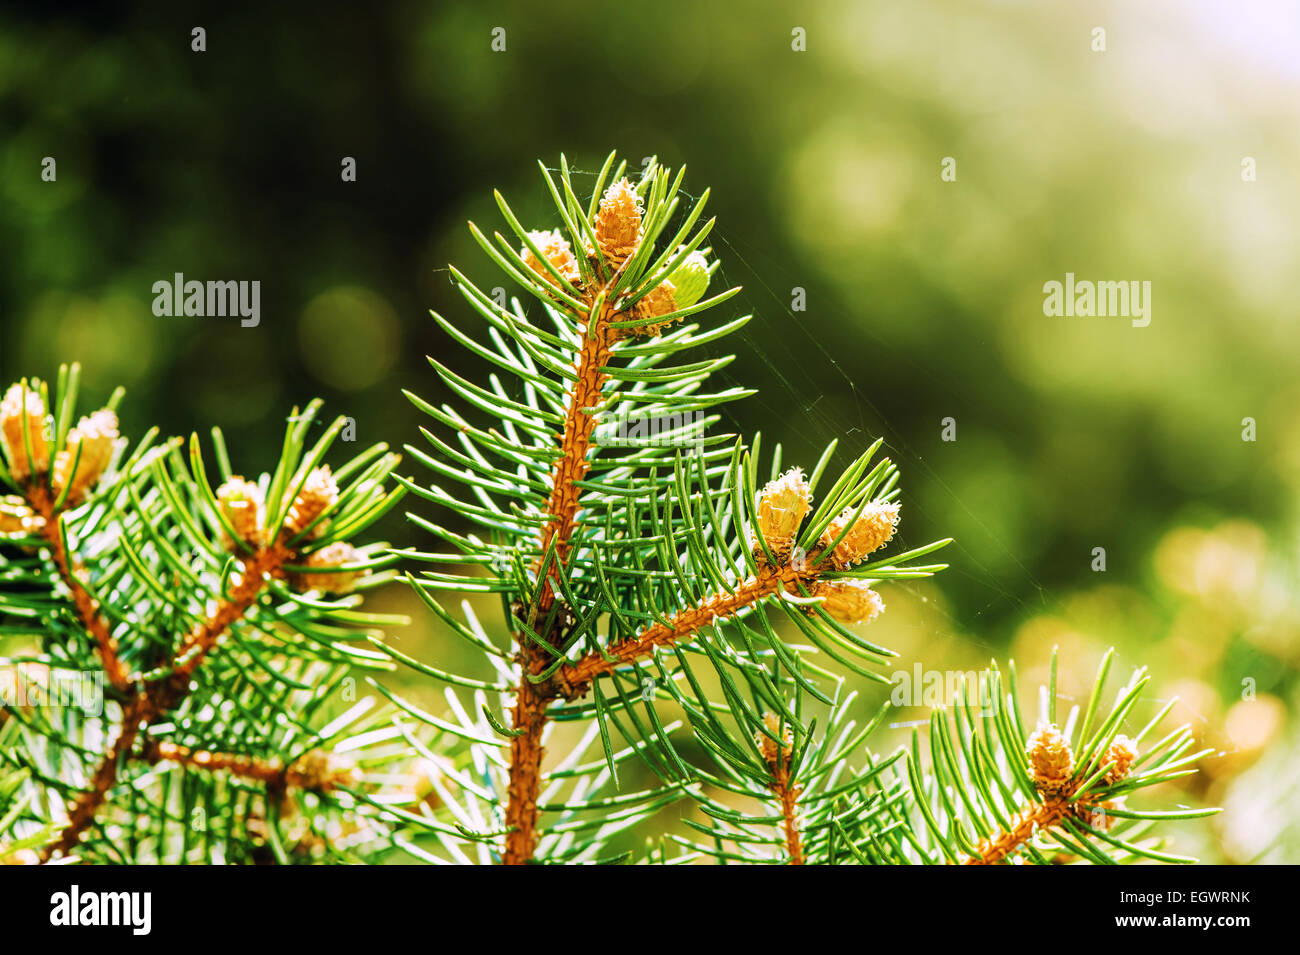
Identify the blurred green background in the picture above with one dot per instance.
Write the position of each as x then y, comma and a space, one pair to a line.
924, 297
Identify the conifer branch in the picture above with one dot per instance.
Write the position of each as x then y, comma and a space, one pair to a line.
315, 770
86, 605
775, 746
574, 678
52, 483
526, 751
269, 771
1030, 821
151, 701
90, 519
1070, 790
1062, 789
628, 544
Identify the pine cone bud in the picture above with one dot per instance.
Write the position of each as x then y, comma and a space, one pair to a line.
1051, 759
319, 493
17, 519
618, 222
690, 279
23, 412
773, 754
89, 450
782, 506
243, 506
331, 556
321, 770
658, 301
870, 532
1122, 752
849, 601
557, 251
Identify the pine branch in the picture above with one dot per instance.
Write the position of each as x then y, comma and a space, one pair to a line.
602, 540
993, 796
87, 606
530, 707
573, 679
153, 700
777, 750
179, 557
617, 236
624, 559
1027, 824
314, 771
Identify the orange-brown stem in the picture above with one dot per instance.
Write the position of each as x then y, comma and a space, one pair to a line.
148, 704
1023, 827
684, 625
270, 771
1052, 811
87, 607
198, 643
787, 793
531, 700
88, 803
526, 752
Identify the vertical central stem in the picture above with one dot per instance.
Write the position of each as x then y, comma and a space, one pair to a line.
790, 823
531, 701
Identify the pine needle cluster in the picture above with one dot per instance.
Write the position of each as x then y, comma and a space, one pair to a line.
681, 601
684, 617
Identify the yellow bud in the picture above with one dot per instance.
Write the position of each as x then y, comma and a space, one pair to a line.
871, 531
87, 455
1050, 758
774, 754
556, 250
22, 426
849, 601
241, 503
782, 506
319, 493
618, 222
331, 556
658, 301
1122, 752
322, 770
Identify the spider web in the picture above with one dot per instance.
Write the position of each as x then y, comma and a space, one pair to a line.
784, 400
